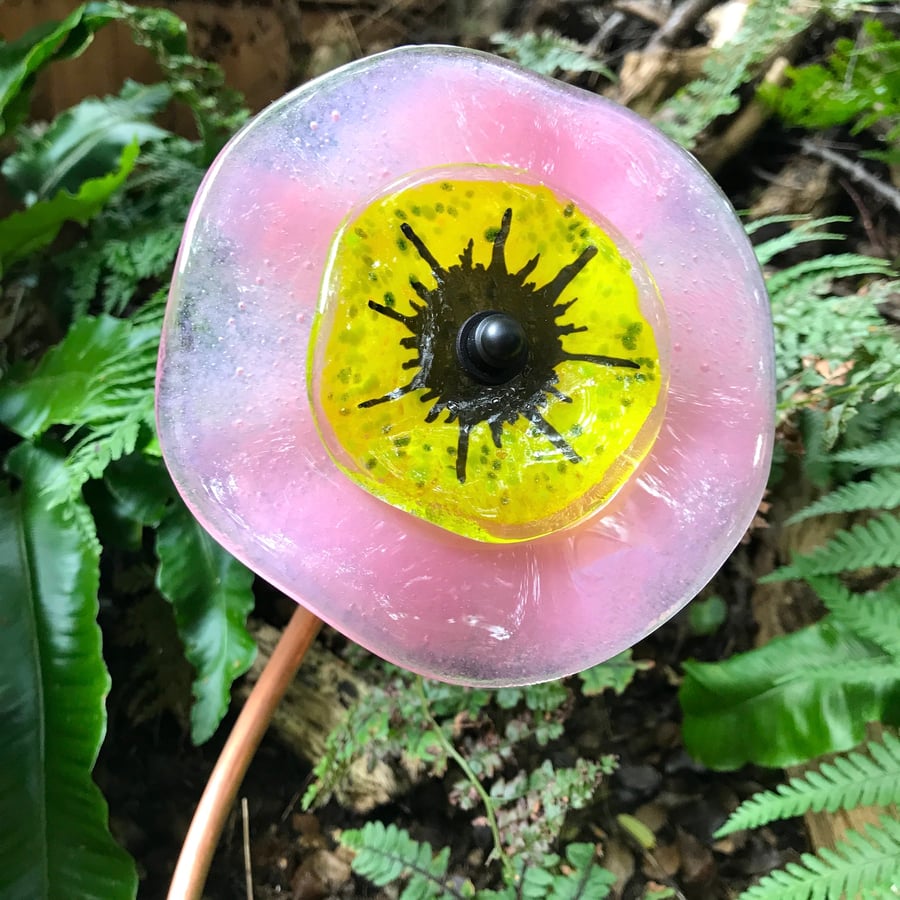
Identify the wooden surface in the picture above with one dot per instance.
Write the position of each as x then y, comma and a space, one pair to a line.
251, 43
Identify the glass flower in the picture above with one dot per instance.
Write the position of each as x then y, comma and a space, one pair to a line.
473, 364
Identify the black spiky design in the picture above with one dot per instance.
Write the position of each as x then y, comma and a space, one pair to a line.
487, 343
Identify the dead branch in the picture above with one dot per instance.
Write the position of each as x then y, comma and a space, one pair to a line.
853, 170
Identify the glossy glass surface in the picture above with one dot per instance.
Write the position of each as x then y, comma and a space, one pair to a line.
413, 410
236, 419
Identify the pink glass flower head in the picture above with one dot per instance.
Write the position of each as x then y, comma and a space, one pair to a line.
475, 365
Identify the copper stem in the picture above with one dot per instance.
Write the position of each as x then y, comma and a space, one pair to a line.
222, 787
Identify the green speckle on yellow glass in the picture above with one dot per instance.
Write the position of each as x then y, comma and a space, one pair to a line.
486, 356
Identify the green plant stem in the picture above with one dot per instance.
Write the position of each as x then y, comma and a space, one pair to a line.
509, 873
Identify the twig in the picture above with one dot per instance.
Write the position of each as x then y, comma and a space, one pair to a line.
612, 22
854, 170
865, 218
641, 9
248, 871
683, 18
221, 789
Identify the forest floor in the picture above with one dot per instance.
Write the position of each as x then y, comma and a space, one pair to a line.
153, 777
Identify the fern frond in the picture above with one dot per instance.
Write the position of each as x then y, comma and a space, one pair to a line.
835, 265
586, 880
835, 352
549, 53
121, 402
767, 24
781, 219
386, 853
152, 312
882, 491
133, 243
104, 444
804, 231
141, 256
874, 455
862, 862
876, 543
874, 616
851, 780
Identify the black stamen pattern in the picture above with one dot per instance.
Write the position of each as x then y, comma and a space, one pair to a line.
463, 290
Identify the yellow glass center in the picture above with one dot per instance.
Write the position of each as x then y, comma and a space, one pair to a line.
481, 359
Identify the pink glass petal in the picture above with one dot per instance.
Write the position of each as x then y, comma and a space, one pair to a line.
234, 415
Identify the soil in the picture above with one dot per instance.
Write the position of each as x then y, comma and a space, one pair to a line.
151, 773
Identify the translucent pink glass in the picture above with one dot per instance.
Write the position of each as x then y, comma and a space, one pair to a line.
234, 415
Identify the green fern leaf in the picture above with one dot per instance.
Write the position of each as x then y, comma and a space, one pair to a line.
812, 323
616, 673
133, 242
882, 491
858, 863
836, 265
876, 543
99, 380
767, 23
857, 85
846, 782
104, 444
586, 880
549, 53
79, 382
140, 257
874, 616
582, 879
385, 854
804, 231
874, 455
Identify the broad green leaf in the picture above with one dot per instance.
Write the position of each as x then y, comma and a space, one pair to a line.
22, 59
637, 830
210, 592
141, 488
54, 839
797, 697
70, 385
135, 492
616, 674
31, 229
85, 142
